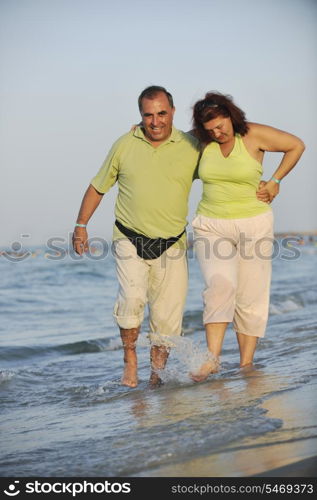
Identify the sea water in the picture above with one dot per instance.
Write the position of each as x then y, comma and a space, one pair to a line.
63, 409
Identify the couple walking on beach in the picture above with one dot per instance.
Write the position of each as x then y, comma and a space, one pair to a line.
155, 165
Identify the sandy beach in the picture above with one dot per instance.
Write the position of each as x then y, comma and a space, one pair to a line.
274, 454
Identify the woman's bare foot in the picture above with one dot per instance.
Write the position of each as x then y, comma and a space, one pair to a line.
210, 366
247, 368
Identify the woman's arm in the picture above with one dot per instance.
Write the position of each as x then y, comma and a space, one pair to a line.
272, 139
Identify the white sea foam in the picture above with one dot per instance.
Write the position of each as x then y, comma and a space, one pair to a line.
114, 344
288, 305
5, 376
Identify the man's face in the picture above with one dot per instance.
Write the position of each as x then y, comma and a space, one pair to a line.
220, 129
157, 118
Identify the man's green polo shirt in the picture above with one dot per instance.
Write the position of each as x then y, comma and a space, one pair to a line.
154, 183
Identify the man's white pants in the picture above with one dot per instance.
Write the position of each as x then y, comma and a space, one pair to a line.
161, 283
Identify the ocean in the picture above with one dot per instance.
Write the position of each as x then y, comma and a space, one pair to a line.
63, 410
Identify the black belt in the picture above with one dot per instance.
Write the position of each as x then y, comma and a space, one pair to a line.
148, 248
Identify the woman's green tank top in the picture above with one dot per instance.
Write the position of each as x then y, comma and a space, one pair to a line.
230, 183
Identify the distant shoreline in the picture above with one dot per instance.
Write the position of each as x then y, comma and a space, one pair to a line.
296, 233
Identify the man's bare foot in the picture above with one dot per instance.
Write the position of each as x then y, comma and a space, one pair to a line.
205, 370
159, 355
130, 375
130, 372
155, 380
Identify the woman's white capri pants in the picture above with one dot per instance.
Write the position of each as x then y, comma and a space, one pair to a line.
235, 260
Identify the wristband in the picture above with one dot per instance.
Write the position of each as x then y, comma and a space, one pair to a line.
275, 180
80, 225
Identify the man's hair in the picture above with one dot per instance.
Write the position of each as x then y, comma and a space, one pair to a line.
151, 93
213, 105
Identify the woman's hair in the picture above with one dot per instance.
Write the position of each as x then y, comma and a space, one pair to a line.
213, 105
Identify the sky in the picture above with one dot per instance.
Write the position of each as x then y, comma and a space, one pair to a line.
71, 72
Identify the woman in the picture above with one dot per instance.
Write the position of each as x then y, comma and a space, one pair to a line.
233, 228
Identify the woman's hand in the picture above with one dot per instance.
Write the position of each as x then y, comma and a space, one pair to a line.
267, 191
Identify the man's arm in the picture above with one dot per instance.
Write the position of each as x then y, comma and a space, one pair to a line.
90, 202
272, 139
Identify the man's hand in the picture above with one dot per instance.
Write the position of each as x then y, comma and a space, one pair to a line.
90, 202
267, 191
80, 240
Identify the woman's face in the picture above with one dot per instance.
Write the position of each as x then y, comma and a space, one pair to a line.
220, 129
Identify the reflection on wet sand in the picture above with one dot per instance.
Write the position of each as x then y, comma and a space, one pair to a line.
176, 404
246, 457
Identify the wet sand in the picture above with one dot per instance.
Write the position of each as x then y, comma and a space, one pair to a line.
288, 452
303, 468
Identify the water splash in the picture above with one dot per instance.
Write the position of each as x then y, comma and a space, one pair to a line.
187, 358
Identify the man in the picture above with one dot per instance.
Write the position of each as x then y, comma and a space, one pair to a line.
154, 166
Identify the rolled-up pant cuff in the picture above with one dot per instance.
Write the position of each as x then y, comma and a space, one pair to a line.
128, 322
162, 340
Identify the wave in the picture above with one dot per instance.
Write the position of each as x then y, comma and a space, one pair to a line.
285, 307
73, 348
285, 303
